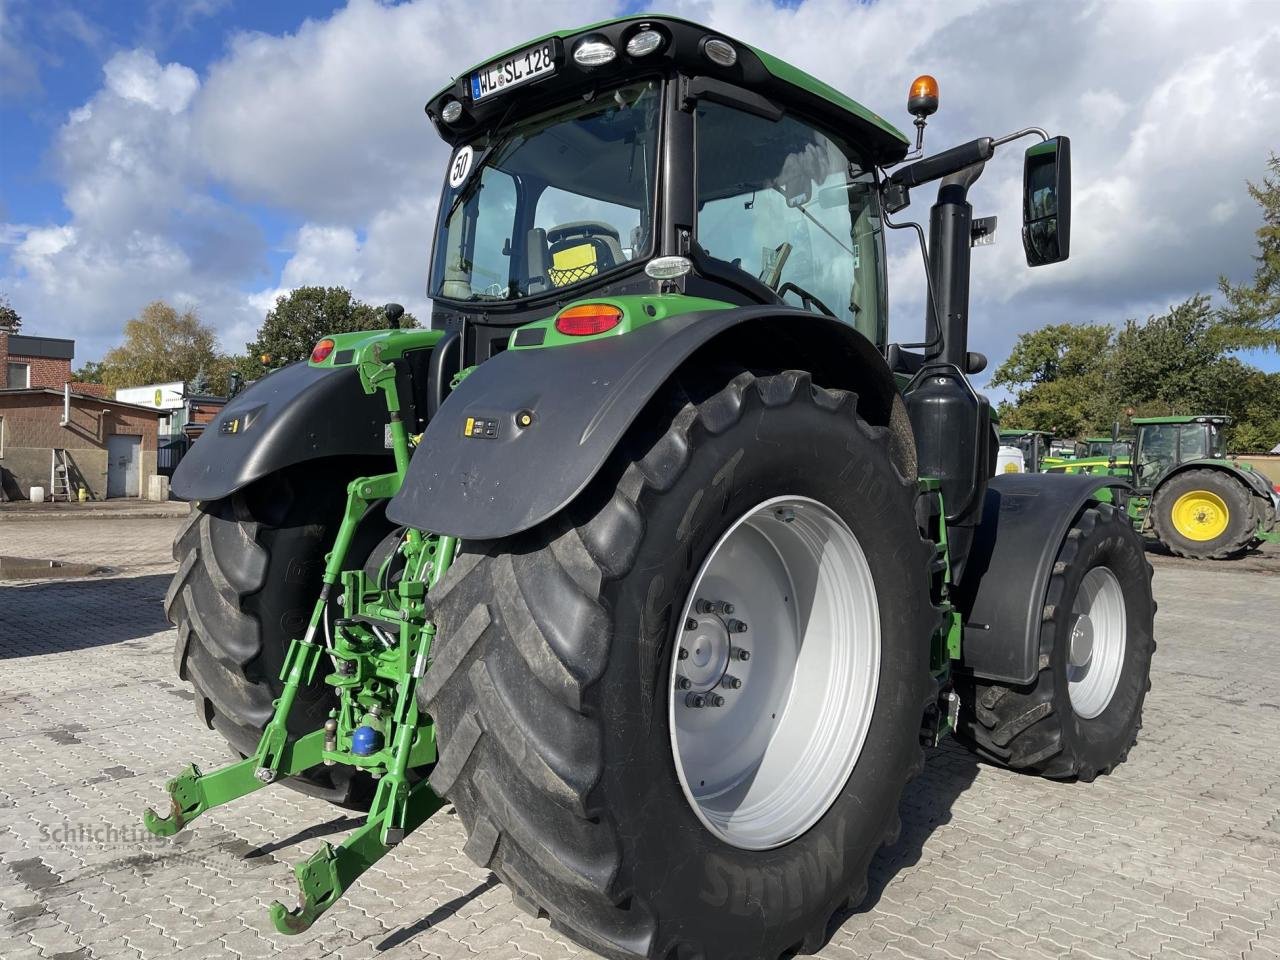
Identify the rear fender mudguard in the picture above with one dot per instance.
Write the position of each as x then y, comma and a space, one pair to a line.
497, 478
1254, 481
292, 415
1003, 585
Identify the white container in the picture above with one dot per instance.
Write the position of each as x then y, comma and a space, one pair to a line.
1009, 460
37, 494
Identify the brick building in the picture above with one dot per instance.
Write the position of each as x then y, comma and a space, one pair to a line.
108, 447
34, 361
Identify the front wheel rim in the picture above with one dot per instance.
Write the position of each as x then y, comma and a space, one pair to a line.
1096, 642
764, 743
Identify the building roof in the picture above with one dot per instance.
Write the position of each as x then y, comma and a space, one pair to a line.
30, 391
51, 348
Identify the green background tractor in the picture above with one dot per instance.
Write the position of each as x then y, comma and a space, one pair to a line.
1189, 494
655, 557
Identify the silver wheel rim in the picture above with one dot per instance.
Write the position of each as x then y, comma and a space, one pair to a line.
1097, 640
776, 735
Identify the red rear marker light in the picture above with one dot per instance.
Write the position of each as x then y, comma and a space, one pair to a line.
588, 319
322, 350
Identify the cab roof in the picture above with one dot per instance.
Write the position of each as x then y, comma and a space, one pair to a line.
1215, 418
755, 70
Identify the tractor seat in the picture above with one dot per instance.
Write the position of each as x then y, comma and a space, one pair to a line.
580, 250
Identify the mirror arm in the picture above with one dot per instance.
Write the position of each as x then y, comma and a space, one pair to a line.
1028, 132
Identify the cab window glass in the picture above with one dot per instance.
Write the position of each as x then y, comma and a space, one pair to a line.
1192, 442
783, 202
1159, 450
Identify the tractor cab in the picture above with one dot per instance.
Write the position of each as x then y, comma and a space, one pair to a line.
1095, 447
1166, 442
648, 157
1034, 445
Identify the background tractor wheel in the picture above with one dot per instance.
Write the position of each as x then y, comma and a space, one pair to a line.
1083, 712
643, 801
1204, 515
249, 572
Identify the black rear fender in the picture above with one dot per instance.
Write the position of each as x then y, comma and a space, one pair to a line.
505, 478
295, 414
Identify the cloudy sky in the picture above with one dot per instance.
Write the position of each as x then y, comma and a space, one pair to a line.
218, 152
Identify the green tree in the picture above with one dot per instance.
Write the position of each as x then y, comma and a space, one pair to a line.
160, 344
90, 372
1251, 315
1058, 374
1171, 363
308, 314
10, 321
218, 373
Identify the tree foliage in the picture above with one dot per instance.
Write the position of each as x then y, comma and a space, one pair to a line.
1061, 370
1251, 315
218, 374
1075, 380
10, 321
160, 344
307, 314
89, 372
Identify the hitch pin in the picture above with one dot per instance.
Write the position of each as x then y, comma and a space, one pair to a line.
381, 635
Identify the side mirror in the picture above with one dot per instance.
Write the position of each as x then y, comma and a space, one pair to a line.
1046, 202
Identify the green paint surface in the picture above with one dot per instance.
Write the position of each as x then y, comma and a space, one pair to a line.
638, 311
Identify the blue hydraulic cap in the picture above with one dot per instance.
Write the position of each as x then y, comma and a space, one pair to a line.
366, 741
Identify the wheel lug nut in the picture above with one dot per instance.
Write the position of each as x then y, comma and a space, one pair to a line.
714, 700
713, 606
731, 683
739, 654
683, 683
684, 654
737, 626
695, 700
691, 624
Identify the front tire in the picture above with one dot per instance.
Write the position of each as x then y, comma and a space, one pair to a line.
1082, 714
552, 682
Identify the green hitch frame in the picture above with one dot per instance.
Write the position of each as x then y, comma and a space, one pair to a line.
375, 678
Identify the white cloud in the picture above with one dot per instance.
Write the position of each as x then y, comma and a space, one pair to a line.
137, 76
1166, 105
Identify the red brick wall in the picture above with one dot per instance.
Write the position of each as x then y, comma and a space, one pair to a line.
44, 372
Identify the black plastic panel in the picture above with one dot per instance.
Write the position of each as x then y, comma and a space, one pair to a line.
582, 398
295, 414
1002, 589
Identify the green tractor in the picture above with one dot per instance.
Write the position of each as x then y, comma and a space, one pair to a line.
1188, 494
1195, 500
1095, 455
1035, 446
655, 557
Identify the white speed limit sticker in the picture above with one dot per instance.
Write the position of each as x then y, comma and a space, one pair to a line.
459, 167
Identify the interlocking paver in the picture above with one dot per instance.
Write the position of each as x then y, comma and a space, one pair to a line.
1176, 855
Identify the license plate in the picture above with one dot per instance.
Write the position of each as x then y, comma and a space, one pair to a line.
512, 71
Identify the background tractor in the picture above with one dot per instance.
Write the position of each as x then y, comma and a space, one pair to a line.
1189, 494
1199, 503
655, 557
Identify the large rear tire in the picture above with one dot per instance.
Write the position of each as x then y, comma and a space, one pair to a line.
1204, 515
1082, 714
249, 573
552, 681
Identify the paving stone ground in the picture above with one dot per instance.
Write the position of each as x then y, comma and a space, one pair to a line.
1176, 855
